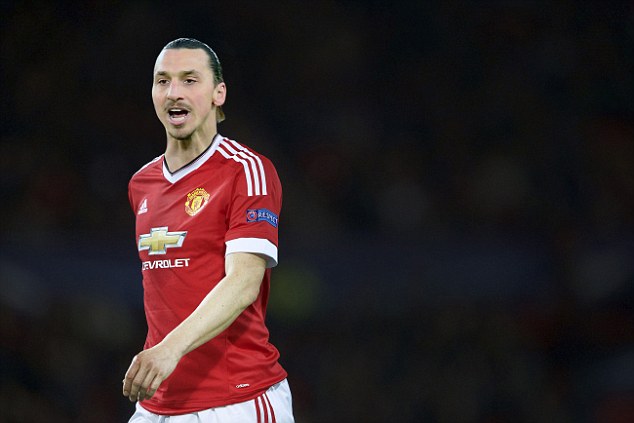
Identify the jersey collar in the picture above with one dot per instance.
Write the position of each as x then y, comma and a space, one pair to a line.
194, 164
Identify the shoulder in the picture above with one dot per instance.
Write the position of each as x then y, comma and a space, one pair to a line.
243, 157
258, 170
149, 165
235, 151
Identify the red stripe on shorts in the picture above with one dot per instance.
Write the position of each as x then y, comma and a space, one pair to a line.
264, 409
257, 410
268, 403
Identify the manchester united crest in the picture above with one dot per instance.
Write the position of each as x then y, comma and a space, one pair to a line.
196, 200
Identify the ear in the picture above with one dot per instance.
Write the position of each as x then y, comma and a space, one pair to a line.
219, 94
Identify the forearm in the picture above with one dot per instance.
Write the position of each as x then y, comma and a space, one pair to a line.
218, 310
214, 314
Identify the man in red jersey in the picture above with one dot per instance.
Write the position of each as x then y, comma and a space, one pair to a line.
206, 230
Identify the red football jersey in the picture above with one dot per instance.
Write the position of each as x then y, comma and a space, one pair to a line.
227, 200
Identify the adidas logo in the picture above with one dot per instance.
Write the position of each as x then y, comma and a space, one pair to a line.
143, 207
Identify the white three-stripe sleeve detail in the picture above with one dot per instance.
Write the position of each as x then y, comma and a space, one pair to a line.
244, 164
260, 165
256, 178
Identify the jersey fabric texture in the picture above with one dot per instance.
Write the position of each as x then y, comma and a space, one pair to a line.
225, 201
273, 406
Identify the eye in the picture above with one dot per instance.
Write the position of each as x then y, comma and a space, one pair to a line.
162, 82
190, 81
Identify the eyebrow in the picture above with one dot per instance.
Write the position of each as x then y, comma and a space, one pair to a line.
182, 73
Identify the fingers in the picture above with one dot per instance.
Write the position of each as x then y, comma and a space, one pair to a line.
128, 380
148, 370
145, 390
154, 386
134, 386
141, 380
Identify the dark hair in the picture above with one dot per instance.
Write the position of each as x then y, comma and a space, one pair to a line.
214, 63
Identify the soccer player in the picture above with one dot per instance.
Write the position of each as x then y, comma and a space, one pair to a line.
206, 230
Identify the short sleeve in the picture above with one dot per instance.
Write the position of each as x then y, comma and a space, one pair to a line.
255, 210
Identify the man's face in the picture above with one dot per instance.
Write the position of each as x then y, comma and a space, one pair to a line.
183, 92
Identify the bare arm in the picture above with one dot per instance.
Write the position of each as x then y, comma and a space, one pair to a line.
234, 293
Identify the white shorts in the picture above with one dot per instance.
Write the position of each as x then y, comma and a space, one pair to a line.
273, 406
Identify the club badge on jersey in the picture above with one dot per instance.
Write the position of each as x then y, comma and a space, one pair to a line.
196, 200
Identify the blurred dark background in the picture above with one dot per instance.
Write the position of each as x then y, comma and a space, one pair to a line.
457, 235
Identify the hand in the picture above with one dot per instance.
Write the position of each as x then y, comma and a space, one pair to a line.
147, 371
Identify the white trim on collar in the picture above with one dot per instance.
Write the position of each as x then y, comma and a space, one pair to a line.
194, 164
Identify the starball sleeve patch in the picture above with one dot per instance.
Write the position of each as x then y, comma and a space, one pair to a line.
262, 215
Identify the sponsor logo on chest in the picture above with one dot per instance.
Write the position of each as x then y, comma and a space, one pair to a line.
157, 242
160, 239
165, 264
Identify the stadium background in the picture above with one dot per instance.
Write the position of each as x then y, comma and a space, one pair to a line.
457, 232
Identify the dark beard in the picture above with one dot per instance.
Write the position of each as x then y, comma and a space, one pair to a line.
182, 137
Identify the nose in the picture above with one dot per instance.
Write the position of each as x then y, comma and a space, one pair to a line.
173, 92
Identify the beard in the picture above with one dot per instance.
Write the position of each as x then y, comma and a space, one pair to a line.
181, 134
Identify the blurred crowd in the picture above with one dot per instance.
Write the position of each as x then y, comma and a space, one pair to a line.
457, 234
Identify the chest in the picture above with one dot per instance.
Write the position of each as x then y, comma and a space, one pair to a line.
197, 208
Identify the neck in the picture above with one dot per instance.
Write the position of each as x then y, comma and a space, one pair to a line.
180, 152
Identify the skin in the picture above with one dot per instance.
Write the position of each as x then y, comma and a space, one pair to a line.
183, 79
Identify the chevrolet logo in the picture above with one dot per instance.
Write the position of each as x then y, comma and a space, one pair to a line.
159, 240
